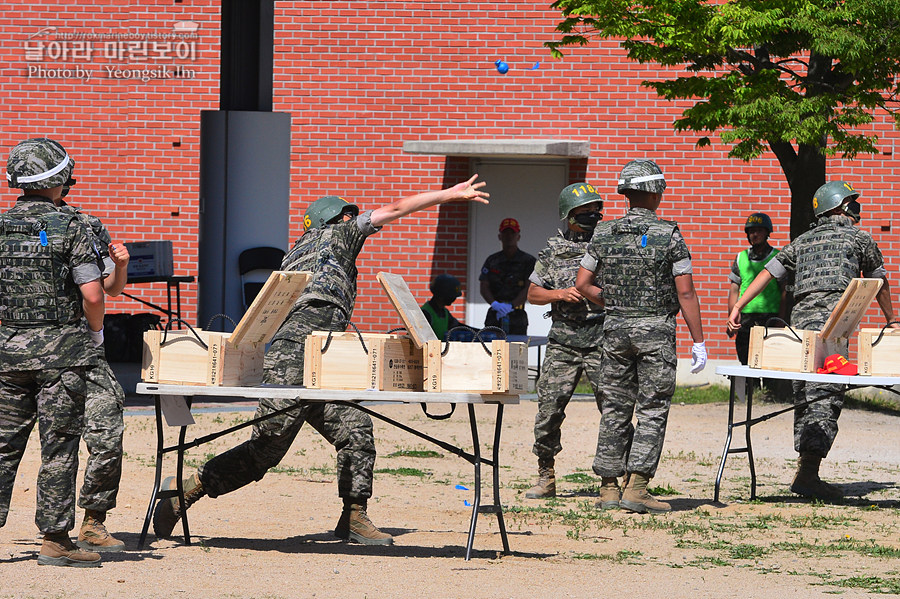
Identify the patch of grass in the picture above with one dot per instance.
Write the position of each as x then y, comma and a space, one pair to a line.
701, 395
667, 490
579, 478
415, 453
875, 584
404, 472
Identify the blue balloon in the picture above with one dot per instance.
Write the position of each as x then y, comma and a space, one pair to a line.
502, 67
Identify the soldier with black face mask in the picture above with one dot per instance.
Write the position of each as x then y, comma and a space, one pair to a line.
574, 338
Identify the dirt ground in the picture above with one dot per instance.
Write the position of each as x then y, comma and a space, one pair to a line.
273, 539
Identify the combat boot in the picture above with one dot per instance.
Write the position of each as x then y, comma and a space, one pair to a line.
168, 511
59, 550
807, 482
610, 493
546, 484
637, 499
93, 535
354, 525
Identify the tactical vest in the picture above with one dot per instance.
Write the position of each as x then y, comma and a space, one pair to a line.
826, 260
314, 252
36, 289
557, 266
634, 273
767, 302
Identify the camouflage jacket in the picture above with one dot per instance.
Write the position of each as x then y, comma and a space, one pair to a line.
52, 345
574, 324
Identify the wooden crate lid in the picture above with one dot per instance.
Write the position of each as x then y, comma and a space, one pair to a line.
406, 305
270, 307
851, 308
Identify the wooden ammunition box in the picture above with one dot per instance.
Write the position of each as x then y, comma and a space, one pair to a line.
878, 357
495, 367
198, 357
804, 350
392, 363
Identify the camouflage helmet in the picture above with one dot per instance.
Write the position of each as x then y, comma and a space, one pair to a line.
325, 209
641, 175
831, 195
446, 287
39, 163
575, 195
758, 219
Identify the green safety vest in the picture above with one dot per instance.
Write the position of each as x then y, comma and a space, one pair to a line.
769, 300
440, 323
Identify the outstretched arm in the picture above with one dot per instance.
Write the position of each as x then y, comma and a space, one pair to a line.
755, 288
468, 191
884, 302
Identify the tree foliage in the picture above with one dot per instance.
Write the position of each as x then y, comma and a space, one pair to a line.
801, 78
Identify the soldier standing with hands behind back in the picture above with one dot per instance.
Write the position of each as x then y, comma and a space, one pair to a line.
576, 331
50, 280
639, 267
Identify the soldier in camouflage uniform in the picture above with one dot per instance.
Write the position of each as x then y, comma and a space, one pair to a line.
823, 261
104, 408
574, 338
50, 281
335, 232
639, 267
504, 282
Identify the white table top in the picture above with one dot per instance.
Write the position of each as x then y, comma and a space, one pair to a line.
284, 392
758, 373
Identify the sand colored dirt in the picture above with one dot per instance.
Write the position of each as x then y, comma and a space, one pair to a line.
273, 538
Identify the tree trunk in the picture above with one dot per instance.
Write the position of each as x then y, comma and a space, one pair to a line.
804, 170
806, 178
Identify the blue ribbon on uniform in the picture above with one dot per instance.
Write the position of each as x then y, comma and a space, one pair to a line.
44, 241
644, 240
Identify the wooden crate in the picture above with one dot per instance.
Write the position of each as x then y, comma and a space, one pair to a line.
392, 363
183, 357
468, 368
779, 349
881, 359
200, 357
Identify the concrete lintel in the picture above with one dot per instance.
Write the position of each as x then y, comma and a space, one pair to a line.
523, 147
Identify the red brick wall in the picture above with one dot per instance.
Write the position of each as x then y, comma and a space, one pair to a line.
359, 79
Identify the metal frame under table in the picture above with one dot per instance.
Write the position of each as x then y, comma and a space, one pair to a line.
357, 399
739, 387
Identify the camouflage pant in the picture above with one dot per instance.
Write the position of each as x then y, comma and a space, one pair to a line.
639, 362
346, 428
104, 426
54, 398
815, 425
560, 373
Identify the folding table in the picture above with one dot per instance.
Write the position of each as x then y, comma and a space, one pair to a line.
179, 397
740, 389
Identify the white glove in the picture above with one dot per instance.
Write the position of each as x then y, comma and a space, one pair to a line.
698, 357
96, 337
501, 308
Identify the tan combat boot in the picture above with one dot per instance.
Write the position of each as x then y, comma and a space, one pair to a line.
354, 525
59, 550
168, 512
610, 493
807, 482
637, 499
546, 484
93, 535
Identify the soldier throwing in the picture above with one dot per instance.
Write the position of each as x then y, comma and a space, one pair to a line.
335, 232
823, 261
50, 280
575, 333
643, 276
